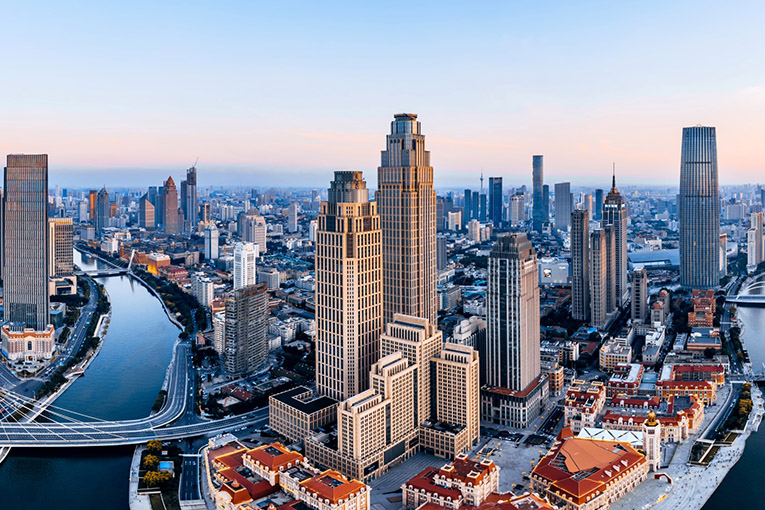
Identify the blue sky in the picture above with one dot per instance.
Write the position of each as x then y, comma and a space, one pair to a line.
267, 93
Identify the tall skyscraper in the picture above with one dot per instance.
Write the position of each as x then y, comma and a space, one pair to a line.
146, 213
60, 247
598, 205
92, 194
482, 206
170, 204
211, 242
254, 229
457, 388
189, 198
615, 213
101, 219
599, 305
699, 209
468, 205
495, 200
580, 265
639, 296
515, 391
348, 288
25, 232
537, 183
517, 209
563, 205
612, 297
407, 205
245, 255
545, 203
245, 348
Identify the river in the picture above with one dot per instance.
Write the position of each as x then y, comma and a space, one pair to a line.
740, 485
121, 383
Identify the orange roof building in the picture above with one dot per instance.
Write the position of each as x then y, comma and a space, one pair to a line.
580, 474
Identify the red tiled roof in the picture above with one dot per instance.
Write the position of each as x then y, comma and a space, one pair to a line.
332, 485
274, 455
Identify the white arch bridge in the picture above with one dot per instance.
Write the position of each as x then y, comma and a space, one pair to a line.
72, 429
745, 298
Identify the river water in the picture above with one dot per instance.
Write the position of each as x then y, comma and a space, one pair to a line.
121, 383
740, 488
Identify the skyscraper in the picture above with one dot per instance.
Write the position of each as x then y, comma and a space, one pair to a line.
245, 255
599, 305
60, 249
254, 229
211, 242
245, 348
615, 213
348, 288
612, 299
146, 213
563, 205
545, 203
515, 391
537, 183
495, 200
189, 198
25, 232
580, 265
699, 209
639, 296
92, 204
407, 205
468, 206
754, 242
170, 204
457, 388
101, 219
598, 204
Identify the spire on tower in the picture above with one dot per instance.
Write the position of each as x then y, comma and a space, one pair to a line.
613, 178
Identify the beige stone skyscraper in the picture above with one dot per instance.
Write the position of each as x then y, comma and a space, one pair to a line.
407, 203
418, 340
395, 379
348, 288
599, 280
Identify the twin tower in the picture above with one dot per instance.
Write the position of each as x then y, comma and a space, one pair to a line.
374, 259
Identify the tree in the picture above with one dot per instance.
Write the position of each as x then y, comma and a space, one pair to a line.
709, 353
151, 462
156, 478
154, 446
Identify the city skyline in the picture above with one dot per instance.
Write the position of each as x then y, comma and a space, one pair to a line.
490, 90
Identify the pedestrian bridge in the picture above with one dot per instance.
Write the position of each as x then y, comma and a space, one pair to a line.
746, 298
72, 429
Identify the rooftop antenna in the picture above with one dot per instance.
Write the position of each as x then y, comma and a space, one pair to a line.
613, 179
195, 162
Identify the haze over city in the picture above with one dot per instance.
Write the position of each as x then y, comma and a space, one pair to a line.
275, 91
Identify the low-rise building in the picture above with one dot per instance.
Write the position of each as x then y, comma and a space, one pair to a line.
463, 481
625, 380
588, 474
613, 352
584, 402
25, 344
296, 412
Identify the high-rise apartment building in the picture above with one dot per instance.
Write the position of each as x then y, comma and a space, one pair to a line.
146, 213
348, 288
515, 390
170, 207
245, 348
245, 255
457, 388
563, 205
517, 209
292, 218
101, 219
419, 341
495, 200
211, 242
754, 242
253, 229
202, 288
639, 296
699, 208
25, 241
539, 214
407, 205
580, 265
615, 214
599, 305
60, 247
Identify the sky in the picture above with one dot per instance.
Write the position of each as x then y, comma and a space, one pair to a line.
283, 93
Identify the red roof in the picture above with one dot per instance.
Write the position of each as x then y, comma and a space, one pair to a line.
274, 456
333, 486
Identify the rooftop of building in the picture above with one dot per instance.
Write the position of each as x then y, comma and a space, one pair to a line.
274, 456
332, 486
304, 400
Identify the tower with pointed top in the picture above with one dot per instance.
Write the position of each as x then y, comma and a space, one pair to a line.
407, 205
615, 214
